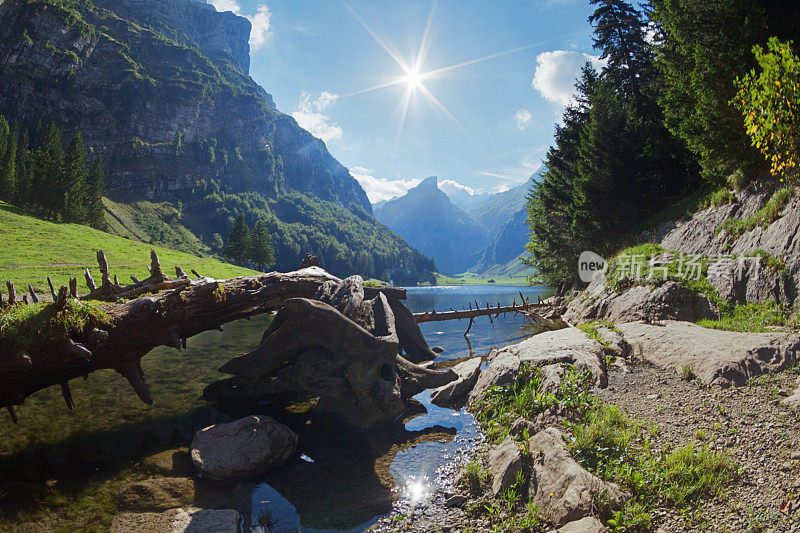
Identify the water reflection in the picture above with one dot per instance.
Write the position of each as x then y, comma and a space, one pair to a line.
350, 479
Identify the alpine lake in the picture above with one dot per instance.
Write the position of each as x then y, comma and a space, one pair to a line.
62, 469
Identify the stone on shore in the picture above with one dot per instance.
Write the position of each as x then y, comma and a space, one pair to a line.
717, 357
569, 345
560, 487
188, 520
158, 494
456, 391
504, 463
243, 448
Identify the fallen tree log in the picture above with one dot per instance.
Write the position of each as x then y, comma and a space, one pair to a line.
53, 343
433, 316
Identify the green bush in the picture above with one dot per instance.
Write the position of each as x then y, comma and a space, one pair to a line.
769, 101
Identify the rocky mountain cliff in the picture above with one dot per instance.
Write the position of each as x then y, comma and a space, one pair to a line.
427, 219
160, 89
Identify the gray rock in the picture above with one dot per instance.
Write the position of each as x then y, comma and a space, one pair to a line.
521, 425
456, 391
437, 349
569, 345
157, 494
716, 357
560, 487
589, 524
456, 500
793, 401
504, 463
188, 520
669, 301
551, 378
243, 448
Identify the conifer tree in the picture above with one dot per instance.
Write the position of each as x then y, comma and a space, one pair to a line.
96, 188
24, 171
76, 197
8, 165
49, 192
236, 248
260, 251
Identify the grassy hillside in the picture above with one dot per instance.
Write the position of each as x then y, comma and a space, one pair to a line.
32, 249
153, 223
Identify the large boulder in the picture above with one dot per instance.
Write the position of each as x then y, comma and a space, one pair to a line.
668, 301
504, 463
456, 391
562, 489
158, 494
187, 520
569, 345
243, 448
716, 357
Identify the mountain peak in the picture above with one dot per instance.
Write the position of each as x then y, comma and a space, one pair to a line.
431, 182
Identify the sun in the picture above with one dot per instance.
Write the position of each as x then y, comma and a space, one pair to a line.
413, 78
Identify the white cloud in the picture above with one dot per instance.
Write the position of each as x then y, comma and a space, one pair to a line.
226, 5
259, 35
523, 117
309, 114
378, 189
451, 186
557, 72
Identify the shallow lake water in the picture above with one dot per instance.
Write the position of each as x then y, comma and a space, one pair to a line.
340, 481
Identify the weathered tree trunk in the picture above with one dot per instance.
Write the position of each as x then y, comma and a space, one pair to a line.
123, 332
340, 349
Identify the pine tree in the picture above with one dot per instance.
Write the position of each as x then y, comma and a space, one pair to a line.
236, 248
260, 251
8, 165
619, 34
48, 195
96, 188
24, 172
76, 198
550, 206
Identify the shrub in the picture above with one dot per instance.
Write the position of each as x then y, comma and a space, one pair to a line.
769, 102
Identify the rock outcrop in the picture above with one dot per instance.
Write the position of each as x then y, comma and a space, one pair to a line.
134, 76
569, 345
669, 301
716, 357
560, 487
243, 448
781, 239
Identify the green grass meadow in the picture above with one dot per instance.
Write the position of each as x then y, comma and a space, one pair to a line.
32, 249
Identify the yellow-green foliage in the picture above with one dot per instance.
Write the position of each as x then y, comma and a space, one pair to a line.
33, 249
769, 101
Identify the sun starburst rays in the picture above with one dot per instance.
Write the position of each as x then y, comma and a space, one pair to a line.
413, 76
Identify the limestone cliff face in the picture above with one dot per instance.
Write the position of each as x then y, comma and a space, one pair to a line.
160, 89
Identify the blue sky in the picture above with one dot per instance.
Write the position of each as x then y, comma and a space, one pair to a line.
491, 120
